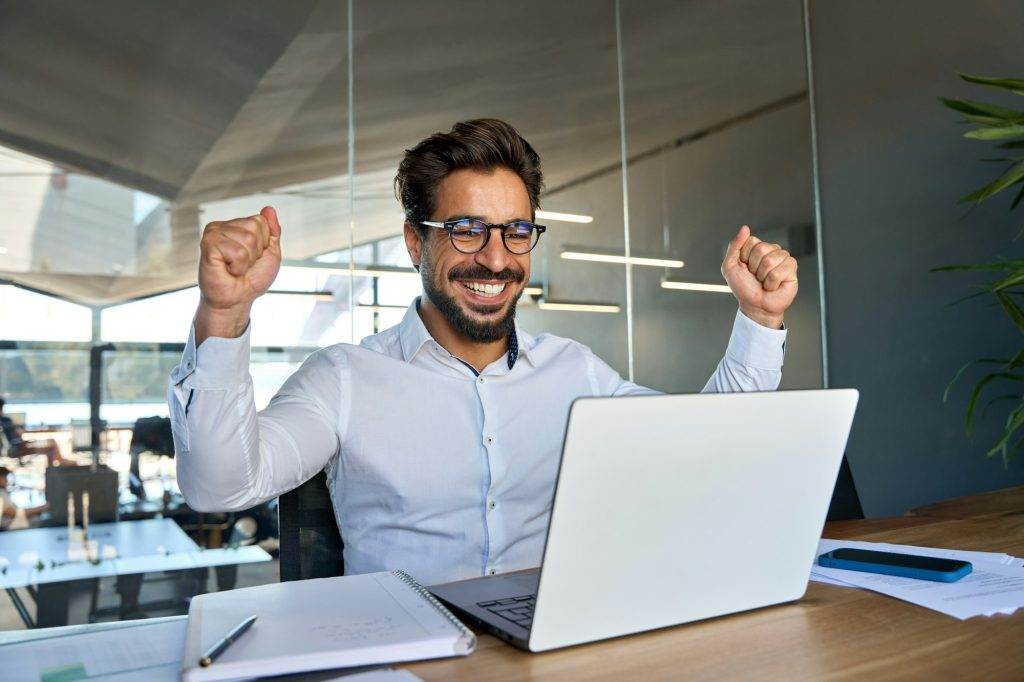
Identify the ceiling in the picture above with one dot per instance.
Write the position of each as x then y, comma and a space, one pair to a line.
219, 108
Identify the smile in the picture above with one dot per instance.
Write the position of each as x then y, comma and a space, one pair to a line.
485, 290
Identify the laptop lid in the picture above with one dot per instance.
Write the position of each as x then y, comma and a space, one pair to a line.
674, 508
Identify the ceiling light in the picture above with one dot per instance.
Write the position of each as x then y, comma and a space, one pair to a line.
355, 271
569, 306
318, 295
381, 307
616, 258
695, 286
565, 217
533, 290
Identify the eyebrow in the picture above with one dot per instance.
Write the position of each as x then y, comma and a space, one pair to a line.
484, 220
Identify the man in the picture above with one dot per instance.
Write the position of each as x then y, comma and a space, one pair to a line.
17, 446
440, 436
12, 516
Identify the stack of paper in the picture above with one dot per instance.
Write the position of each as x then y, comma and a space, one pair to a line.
996, 585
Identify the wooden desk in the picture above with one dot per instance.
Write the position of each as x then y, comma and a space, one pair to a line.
832, 632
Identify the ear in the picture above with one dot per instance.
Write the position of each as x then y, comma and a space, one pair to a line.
413, 243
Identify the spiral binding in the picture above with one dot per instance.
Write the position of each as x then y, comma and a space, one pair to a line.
432, 600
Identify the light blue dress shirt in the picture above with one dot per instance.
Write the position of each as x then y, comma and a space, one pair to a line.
432, 468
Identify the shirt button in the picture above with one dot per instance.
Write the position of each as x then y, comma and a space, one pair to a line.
481, 380
188, 365
491, 504
492, 571
489, 439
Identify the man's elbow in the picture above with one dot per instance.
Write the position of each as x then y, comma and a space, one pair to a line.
205, 499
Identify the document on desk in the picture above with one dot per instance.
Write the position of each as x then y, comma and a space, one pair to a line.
143, 651
996, 585
320, 624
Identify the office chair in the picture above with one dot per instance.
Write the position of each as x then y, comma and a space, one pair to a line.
310, 540
845, 503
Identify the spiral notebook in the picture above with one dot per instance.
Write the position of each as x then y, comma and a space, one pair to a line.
320, 624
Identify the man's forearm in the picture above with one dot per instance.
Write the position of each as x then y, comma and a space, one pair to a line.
227, 323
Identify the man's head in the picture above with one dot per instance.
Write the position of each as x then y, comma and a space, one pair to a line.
481, 169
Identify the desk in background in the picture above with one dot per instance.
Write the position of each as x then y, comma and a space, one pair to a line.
38, 559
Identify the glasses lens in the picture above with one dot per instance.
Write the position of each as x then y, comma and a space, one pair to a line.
520, 236
468, 235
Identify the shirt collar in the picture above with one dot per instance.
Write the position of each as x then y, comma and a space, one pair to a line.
413, 334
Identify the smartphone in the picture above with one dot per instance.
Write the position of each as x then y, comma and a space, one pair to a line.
891, 563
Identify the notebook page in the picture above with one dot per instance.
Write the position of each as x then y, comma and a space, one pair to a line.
313, 624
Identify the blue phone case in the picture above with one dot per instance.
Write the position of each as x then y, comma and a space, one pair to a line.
902, 571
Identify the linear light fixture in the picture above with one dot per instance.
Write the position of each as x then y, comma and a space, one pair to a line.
565, 217
599, 257
533, 290
356, 271
570, 306
694, 286
381, 307
318, 295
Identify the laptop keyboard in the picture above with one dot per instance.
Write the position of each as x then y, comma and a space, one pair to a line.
518, 610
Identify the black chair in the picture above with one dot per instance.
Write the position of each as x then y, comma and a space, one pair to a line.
845, 503
310, 540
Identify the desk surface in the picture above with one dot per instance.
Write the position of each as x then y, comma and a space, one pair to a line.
832, 632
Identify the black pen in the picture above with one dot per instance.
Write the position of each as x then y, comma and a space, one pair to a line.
218, 648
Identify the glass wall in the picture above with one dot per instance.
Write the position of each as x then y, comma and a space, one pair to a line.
662, 127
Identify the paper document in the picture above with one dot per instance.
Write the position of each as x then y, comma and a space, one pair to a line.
996, 584
147, 651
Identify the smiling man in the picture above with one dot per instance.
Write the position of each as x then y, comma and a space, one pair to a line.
440, 436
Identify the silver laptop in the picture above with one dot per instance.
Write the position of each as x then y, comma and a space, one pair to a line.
670, 509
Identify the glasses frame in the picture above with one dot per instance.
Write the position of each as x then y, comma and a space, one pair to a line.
449, 227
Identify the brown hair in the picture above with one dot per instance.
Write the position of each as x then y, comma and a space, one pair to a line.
481, 144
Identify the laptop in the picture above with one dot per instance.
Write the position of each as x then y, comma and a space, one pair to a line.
670, 509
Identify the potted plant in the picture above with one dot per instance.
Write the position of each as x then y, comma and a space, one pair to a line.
1003, 382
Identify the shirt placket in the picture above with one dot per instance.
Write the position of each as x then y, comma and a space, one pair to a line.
493, 503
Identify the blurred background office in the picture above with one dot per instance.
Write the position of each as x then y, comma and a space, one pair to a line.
126, 126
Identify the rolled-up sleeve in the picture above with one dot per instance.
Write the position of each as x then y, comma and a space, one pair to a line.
228, 455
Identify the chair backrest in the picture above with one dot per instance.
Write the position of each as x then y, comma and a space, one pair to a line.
310, 541
100, 482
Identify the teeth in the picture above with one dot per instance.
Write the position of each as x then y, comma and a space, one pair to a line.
485, 289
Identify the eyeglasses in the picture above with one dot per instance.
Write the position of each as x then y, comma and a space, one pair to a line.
469, 235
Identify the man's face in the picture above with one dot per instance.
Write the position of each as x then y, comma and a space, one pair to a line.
452, 280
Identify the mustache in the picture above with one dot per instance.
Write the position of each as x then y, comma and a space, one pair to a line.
480, 272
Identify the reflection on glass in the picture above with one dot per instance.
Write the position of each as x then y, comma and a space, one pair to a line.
718, 135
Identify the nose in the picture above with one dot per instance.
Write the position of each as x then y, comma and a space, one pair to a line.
494, 256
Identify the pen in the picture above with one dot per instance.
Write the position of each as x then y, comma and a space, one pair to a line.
218, 648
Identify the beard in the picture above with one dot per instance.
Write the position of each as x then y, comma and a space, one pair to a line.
478, 331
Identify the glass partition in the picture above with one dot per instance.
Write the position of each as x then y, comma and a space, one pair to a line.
718, 136
111, 165
418, 71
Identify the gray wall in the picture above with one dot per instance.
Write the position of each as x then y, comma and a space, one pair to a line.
892, 165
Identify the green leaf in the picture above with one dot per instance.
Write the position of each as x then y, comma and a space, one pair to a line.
972, 404
1006, 132
999, 399
1012, 176
965, 367
1013, 422
1014, 85
993, 112
1012, 309
1016, 200
1011, 264
1007, 282
1019, 144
